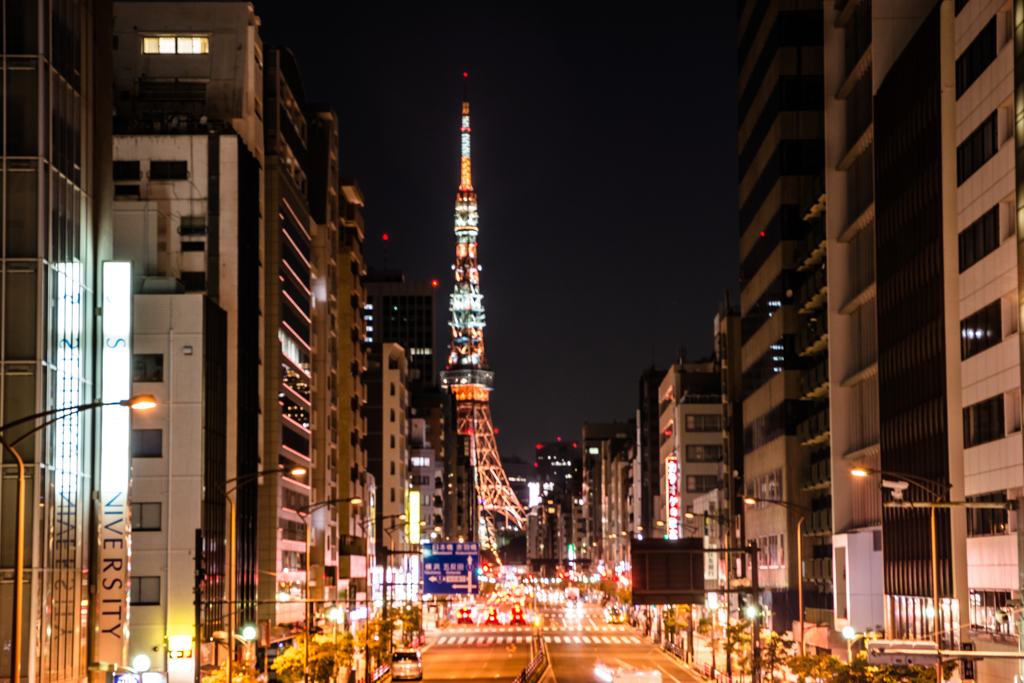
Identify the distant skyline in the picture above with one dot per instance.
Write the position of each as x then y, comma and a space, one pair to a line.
604, 157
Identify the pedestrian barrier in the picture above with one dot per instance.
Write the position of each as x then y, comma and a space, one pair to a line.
537, 665
380, 672
720, 677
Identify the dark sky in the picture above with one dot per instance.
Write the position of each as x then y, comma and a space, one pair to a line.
604, 158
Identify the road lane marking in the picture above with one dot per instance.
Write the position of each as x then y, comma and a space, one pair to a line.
519, 639
557, 639
470, 640
615, 639
634, 639
461, 640
489, 640
442, 641
606, 639
586, 639
576, 640
547, 639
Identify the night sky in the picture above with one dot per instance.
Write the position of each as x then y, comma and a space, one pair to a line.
604, 158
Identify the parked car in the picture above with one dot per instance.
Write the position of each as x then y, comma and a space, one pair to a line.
613, 615
406, 665
492, 616
518, 618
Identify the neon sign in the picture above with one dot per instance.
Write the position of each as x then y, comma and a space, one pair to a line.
672, 479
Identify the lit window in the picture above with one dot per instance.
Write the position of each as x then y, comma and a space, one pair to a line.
170, 45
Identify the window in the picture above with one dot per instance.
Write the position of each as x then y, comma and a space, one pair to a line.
145, 590
986, 521
979, 239
175, 45
127, 170
148, 367
703, 453
981, 330
392, 414
168, 170
293, 561
984, 422
392, 443
420, 461
701, 483
147, 443
193, 246
392, 390
145, 516
988, 612
392, 495
703, 423
978, 148
192, 225
194, 281
392, 464
976, 58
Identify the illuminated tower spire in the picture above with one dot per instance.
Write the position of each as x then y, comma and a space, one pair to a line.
467, 373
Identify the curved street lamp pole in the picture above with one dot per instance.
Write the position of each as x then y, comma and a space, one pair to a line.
802, 511
304, 514
141, 402
238, 483
939, 490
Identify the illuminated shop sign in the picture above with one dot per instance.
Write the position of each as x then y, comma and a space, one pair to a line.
115, 467
672, 477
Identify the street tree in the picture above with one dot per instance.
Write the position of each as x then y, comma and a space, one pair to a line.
327, 655
241, 672
774, 656
734, 641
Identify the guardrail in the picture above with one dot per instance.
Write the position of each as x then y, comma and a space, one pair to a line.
720, 676
537, 665
380, 672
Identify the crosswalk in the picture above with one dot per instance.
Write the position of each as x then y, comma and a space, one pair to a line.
486, 640
528, 629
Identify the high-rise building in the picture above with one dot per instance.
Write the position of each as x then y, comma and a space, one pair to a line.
690, 444
292, 369
608, 452
387, 448
404, 313
781, 145
355, 481
648, 463
57, 233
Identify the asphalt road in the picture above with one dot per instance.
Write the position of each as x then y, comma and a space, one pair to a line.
576, 641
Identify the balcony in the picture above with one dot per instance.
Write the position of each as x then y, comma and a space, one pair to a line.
813, 293
814, 337
820, 475
815, 429
818, 570
819, 523
814, 381
812, 251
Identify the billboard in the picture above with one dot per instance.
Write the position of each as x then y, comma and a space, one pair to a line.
115, 464
450, 568
667, 572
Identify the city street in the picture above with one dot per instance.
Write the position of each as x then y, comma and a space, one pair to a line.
576, 640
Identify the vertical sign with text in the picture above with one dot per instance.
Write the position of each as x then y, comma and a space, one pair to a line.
114, 552
672, 481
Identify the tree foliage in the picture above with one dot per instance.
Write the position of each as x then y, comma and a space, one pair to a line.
327, 655
773, 656
822, 668
240, 673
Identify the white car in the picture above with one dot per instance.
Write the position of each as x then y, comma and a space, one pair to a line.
406, 665
609, 674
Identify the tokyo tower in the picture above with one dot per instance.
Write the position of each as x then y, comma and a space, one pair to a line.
467, 373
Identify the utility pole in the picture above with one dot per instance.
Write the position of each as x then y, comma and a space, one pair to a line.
197, 589
1020, 584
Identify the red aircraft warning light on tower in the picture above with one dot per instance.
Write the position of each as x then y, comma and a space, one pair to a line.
467, 374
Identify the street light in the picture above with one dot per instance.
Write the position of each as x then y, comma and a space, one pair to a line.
304, 516
238, 482
851, 636
138, 402
940, 491
802, 511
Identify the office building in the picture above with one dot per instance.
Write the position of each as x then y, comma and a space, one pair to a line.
187, 214
387, 449
690, 445
403, 313
608, 451
57, 231
779, 55
647, 476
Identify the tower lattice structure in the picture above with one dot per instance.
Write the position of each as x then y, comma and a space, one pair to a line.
467, 374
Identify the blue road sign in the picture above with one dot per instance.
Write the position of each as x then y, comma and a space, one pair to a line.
450, 568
